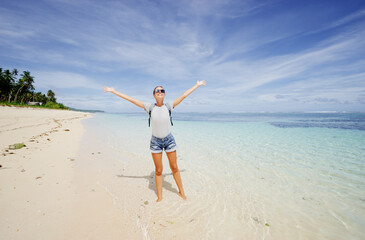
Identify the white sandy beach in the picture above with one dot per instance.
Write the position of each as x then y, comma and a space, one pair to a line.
41, 194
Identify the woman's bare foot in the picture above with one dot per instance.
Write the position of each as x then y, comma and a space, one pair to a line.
182, 195
159, 200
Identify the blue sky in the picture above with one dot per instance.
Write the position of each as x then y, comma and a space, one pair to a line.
255, 55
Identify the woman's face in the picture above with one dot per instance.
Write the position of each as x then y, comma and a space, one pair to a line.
158, 94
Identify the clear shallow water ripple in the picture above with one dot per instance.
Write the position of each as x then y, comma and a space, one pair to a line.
249, 177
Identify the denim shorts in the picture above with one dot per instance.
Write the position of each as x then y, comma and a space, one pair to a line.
167, 143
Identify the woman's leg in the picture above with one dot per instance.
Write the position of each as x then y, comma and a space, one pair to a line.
157, 159
175, 172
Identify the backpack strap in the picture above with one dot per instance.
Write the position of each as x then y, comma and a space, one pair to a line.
169, 108
149, 113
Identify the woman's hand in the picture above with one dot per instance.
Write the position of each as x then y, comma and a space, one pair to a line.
108, 89
199, 83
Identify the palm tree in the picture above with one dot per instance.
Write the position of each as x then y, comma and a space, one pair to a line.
51, 96
44, 99
39, 97
2, 83
26, 81
7, 80
27, 96
14, 73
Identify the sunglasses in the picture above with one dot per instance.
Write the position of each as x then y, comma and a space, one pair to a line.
160, 90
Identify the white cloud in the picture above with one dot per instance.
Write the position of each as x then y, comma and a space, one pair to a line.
64, 80
245, 75
349, 18
180, 42
220, 8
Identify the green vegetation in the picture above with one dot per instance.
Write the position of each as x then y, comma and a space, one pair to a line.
17, 146
20, 92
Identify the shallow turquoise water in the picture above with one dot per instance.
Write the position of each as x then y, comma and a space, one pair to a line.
302, 174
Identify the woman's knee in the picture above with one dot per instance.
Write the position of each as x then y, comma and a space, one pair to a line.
158, 171
174, 168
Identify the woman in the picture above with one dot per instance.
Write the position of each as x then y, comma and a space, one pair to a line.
161, 139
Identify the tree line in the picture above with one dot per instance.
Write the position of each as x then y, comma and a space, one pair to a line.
18, 91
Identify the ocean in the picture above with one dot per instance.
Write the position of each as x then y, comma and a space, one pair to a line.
246, 175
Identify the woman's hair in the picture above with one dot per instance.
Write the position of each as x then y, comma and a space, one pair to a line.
154, 90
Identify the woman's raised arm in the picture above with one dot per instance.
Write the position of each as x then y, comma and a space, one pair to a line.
126, 97
188, 92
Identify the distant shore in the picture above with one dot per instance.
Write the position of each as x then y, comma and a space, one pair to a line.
18, 105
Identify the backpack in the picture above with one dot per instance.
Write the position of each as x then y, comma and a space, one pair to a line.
150, 110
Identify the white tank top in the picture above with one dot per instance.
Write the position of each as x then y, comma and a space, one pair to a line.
160, 119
